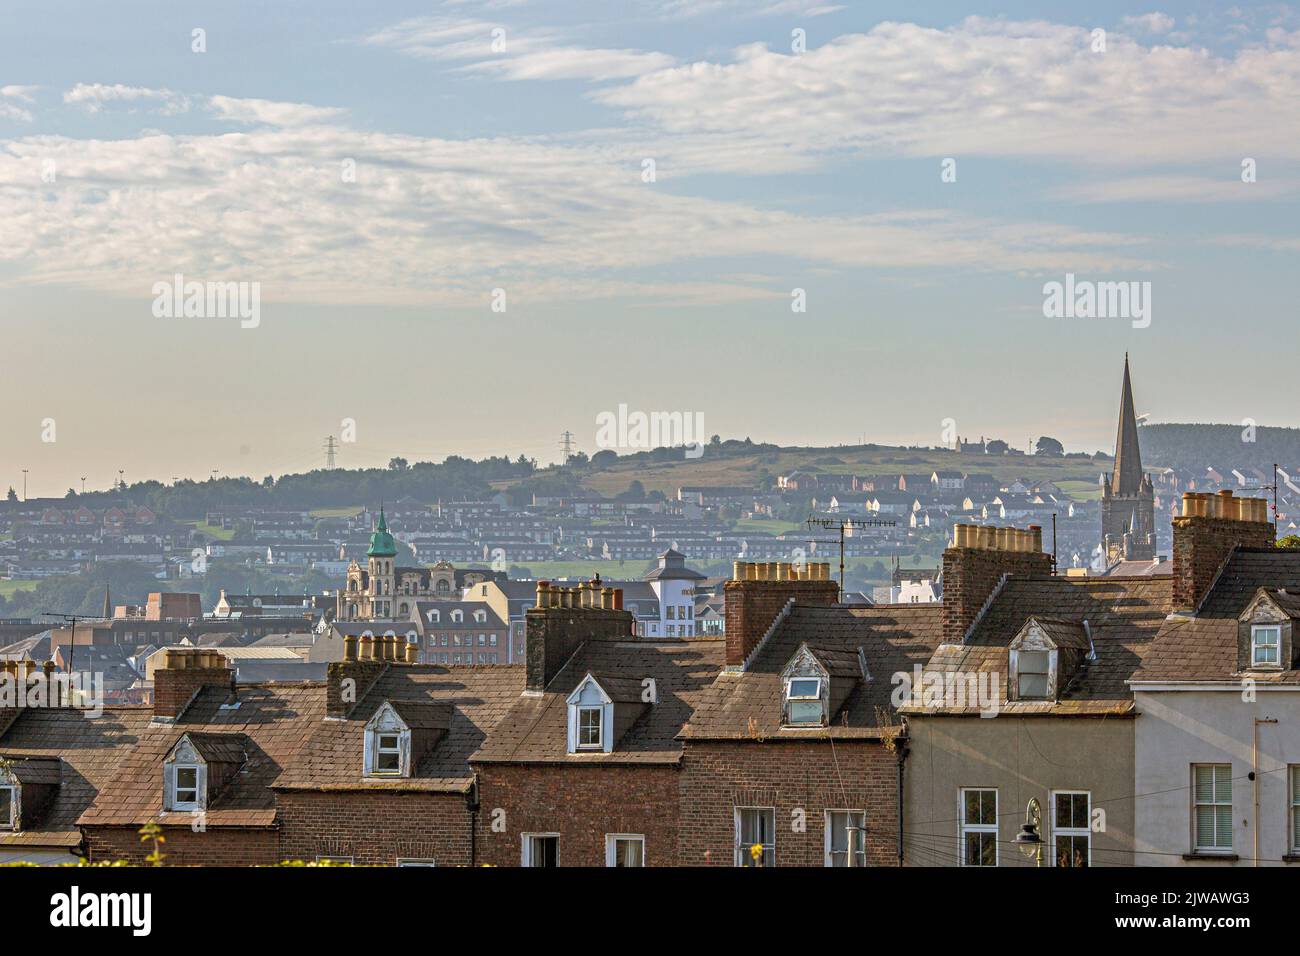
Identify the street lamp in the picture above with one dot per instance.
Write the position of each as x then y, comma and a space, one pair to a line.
1028, 839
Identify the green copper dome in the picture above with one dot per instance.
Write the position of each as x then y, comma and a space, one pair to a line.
382, 544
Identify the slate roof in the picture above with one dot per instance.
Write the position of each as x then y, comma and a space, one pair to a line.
894, 637
479, 696
1204, 647
276, 719
220, 748
535, 728
1123, 614
90, 750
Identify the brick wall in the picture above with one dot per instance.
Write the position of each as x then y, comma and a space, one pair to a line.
971, 574
582, 804
375, 829
752, 606
718, 776
340, 696
184, 847
1201, 545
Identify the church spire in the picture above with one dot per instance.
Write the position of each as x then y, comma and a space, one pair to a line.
108, 605
1126, 479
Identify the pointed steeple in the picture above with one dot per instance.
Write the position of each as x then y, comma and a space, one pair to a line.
1126, 479
108, 605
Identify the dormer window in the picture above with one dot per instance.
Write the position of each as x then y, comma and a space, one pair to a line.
388, 753
1032, 683
457, 616
480, 616
1265, 645
387, 744
589, 728
8, 806
804, 700
185, 789
434, 617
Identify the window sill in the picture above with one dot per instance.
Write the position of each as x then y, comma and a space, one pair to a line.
1213, 857
1293, 857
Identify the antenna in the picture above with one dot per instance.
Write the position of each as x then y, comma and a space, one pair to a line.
331, 451
842, 524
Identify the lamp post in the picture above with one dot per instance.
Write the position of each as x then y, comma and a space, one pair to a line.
1029, 839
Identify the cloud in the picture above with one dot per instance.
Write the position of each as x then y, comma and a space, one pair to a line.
431, 221
270, 112
12, 110
509, 54
986, 88
95, 96
1150, 22
1172, 187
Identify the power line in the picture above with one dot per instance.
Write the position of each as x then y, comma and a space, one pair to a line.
566, 444
331, 450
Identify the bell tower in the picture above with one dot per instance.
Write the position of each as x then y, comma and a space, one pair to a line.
1128, 530
380, 557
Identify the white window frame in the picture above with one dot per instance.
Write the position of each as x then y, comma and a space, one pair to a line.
1196, 805
742, 851
1046, 673
600, 727
1256, 645
526, 847
11, 823
174, 787
1293, 817
829, 817
380, 750
611, 847
791, 697
1084, 831
965, 828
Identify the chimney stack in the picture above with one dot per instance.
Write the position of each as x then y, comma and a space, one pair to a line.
565, 618
184, 672
1210, 528
974, 564
758, 592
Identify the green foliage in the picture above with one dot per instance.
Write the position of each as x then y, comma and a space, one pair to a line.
1193, 447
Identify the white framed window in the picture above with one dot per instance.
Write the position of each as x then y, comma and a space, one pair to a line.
804, 700
541, 849
1265, 645
624, 849
1212, 807
186, 784
979, 827
589, 728
1071, 828
8, 806
414, 862
1031, 674
1294, 817
845, 829
388, 753
755, 827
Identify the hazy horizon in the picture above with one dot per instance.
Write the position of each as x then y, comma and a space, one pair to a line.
380, 173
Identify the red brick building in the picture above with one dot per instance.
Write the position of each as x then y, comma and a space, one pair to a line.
585, 767
796, 748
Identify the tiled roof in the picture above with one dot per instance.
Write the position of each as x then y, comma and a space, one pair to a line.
894, 638
1123, 615
534, 731
479, 696
90, 748
277, 720
1204, 647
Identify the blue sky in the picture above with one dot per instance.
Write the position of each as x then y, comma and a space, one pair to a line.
521, 168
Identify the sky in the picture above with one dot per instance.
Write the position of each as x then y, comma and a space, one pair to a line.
471, 226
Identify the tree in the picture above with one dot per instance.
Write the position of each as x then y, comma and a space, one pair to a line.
13, 495
1049, 447
996, 447
1290, 541
397, 464
604, 459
